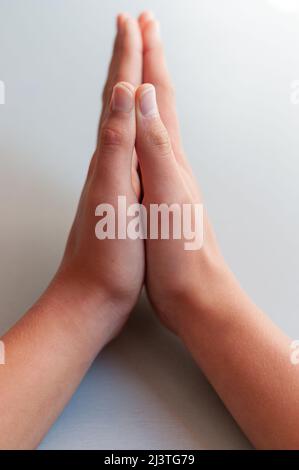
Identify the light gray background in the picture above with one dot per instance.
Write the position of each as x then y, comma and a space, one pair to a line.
233, 62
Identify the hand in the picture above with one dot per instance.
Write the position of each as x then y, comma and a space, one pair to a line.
97, 283
174, 277
110, 272
243, 354
245, 357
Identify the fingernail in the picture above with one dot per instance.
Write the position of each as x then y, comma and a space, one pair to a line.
148, 102
122, 98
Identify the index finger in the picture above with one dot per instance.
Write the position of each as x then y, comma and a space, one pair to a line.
155, 71
126, 62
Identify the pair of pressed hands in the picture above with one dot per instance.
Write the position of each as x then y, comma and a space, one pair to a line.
137, 119
98, 283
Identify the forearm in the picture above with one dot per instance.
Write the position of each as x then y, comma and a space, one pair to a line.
247, 360
51, 347
47, 353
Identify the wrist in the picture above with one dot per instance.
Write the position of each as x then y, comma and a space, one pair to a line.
87, 309
211, 299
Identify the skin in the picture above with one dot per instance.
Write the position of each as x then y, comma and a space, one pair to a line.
50, 349
243, 354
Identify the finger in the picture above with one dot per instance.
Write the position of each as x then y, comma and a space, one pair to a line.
120, 20
117, 139
136, 183
155, 71
126, 63
130, 65
154, 149
144, 17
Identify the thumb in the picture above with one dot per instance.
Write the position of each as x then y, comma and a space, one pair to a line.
117, 137
153, 145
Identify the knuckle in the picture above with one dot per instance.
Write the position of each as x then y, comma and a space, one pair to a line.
125, 48
112, 137
158, 138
